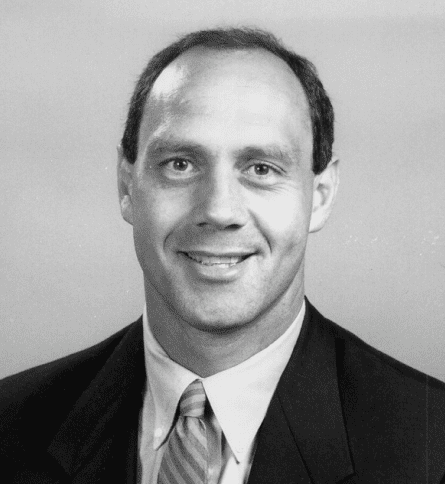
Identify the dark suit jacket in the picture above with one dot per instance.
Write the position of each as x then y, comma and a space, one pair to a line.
342, 412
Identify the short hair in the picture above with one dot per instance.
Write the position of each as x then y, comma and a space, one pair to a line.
320, 107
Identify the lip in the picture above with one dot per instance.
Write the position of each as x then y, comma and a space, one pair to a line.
219, 253
219, 260
216, 266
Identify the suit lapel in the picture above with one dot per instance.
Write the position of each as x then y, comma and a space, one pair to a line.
98, 441
303, 437
277, 459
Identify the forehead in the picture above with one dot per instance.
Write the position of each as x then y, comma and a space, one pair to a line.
252, 86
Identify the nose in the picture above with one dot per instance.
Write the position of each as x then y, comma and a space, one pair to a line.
220, 202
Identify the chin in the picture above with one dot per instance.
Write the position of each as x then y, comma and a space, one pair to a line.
216, 320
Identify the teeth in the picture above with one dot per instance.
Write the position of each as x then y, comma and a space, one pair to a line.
215, 260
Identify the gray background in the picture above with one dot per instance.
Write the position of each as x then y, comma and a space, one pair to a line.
69, 276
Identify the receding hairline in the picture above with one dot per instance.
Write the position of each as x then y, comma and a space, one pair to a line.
199, 53
197, 59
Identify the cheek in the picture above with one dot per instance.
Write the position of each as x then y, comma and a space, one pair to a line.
157, 214
283, 218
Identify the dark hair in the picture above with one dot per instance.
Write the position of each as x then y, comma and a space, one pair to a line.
322, 114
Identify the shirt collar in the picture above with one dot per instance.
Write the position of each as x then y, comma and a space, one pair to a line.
239, 396
166, 381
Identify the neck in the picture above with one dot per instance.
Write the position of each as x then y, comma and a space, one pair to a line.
206, 352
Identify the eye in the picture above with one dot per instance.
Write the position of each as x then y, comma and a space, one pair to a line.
178, 168
179, 164
260, 170
263, 174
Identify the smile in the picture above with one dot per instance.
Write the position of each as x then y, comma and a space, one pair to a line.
216, 260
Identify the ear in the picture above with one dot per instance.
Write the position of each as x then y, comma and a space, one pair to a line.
324, 193
125, 185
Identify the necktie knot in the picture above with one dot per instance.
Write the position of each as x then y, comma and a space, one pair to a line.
186, 458
193, 400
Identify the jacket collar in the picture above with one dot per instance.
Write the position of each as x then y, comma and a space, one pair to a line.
105, 418
306, 414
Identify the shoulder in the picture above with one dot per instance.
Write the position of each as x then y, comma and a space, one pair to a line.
366, 359
350, 348
53, 387
368, 377
394, 414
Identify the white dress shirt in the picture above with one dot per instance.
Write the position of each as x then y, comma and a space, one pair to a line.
239, 398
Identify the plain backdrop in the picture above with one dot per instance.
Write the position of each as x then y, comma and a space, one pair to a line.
69, 276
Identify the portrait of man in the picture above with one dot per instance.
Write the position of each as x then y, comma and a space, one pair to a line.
231, 375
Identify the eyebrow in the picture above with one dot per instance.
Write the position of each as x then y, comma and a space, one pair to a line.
267, 151
159, 146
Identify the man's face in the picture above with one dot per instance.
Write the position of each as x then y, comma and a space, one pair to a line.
220, 196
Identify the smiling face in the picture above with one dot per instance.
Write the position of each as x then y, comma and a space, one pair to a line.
222, 191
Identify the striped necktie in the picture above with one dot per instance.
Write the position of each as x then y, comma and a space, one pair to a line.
185, 459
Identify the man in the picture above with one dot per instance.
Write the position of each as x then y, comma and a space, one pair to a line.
231, 375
